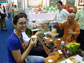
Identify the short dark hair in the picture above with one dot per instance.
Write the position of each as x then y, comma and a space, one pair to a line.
60, 2
20, 15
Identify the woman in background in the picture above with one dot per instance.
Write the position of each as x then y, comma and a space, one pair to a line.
3, 16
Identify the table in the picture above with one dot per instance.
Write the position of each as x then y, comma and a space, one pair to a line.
47, 40
72, 59
56, 56
44, 46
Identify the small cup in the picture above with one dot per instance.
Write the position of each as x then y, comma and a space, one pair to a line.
45, 38
58, 39
51, 40
50, 61
60, 52
62, 42
33, 38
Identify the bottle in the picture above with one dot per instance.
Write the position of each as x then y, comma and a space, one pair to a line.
42, 32
50, 26
63, 48
62, 45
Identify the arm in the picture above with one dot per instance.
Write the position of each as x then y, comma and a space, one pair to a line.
59, 25
21, 57
76, 32
17, 54
66, 13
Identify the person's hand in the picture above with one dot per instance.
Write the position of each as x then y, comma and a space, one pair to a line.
38, 33
33, 41
71, 32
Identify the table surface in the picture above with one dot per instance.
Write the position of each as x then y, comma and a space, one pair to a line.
55, 55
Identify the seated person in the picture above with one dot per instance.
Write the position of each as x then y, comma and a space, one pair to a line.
36, 50
71, 29
16, 46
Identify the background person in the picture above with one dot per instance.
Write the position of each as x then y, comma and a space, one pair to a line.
80, 19
3, 15
71, 29
16, 46
61, 16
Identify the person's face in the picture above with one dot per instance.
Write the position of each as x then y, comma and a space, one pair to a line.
59, 5
70, 19
21, 24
